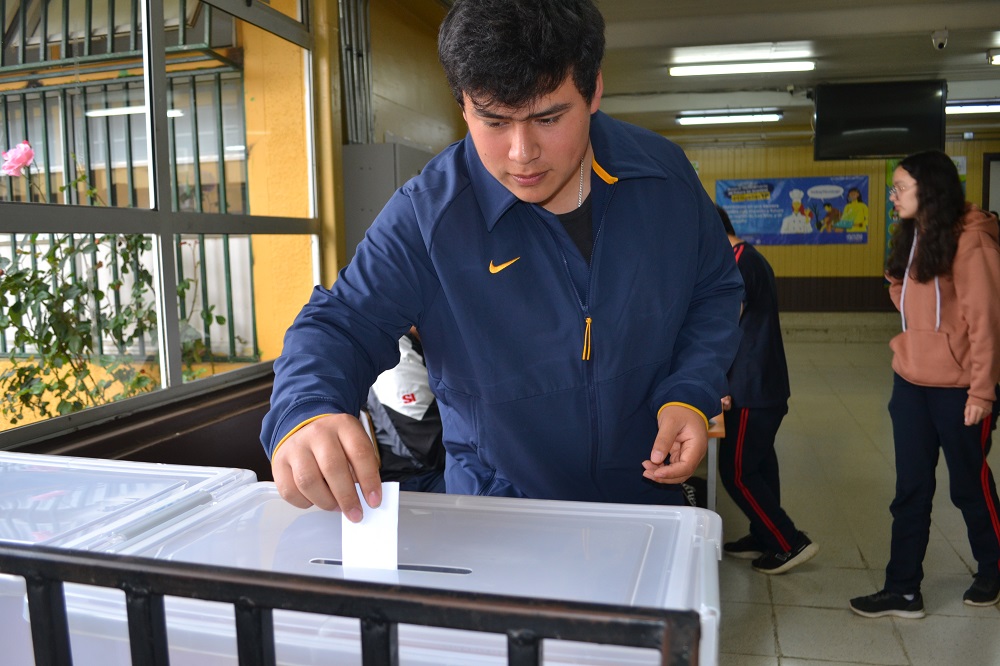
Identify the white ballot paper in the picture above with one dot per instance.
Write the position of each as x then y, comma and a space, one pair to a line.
372, 543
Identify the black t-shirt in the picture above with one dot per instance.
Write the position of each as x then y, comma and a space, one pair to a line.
759, 374
580, 227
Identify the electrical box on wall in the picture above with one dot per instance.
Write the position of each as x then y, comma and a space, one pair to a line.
372, 172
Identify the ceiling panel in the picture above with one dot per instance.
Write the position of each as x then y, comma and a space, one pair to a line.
851, 40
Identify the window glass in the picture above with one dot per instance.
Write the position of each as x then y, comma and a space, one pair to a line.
237, 297
78, 311
239, 131
215, 301
246, 129
208, 143
77, 323
75, 144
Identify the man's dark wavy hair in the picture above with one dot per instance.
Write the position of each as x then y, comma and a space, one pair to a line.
941, 205
510, 52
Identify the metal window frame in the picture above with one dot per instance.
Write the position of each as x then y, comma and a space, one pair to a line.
161, 222
258, 13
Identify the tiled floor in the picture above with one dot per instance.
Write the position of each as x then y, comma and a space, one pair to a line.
836, 457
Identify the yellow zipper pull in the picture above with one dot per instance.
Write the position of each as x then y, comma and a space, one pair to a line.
586, 341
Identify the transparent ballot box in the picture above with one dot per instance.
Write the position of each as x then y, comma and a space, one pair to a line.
90, 504
650, 556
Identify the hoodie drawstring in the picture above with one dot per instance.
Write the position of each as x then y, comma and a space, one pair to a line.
906, 278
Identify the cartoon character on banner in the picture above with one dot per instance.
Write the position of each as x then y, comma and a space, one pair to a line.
800, 221
855, 216
830, 219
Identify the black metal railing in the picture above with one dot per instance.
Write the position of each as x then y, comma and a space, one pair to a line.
379, 607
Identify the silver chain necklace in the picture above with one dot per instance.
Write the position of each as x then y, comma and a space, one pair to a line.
579, 197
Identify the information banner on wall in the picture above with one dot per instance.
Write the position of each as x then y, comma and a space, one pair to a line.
797, 211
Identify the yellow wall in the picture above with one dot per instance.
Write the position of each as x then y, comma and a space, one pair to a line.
278, 174
411, 101
329, 135
736, 162
411, 96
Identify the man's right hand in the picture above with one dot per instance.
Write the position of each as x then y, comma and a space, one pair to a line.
320, 463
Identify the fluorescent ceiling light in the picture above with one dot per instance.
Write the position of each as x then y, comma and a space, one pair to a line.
689, 55
126, 111
959, 109
722, 119
744, 68
116, 111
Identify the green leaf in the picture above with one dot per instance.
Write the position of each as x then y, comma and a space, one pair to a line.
66, 407
75, 344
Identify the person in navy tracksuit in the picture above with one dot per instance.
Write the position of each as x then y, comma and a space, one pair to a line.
754, 408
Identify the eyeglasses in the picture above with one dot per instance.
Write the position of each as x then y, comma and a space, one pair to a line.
896, 190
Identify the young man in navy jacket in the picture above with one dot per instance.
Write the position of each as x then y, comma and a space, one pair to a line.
576, 297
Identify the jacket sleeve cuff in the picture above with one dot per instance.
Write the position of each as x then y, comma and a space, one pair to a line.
979, 402
295, 430
684, 404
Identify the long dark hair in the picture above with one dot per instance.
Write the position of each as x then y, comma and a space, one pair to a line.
940, 207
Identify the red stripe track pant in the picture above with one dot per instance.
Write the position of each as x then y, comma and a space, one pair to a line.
748, 468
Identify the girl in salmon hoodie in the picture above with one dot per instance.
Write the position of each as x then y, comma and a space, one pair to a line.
944, 278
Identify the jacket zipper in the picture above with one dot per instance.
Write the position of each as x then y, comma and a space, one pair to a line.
595, 445
587, 333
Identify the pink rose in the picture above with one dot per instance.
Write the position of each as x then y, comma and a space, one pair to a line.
17, 159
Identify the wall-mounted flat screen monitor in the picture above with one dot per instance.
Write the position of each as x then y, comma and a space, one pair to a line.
889, 119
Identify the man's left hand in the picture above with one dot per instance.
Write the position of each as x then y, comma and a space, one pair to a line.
683, 437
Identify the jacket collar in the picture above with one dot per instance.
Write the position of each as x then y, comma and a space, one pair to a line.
618, 155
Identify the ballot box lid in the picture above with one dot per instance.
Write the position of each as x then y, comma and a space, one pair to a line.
85, 502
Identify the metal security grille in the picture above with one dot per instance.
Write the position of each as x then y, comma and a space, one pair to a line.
91, 149
90, 144
84, 156
380, 608
92, 34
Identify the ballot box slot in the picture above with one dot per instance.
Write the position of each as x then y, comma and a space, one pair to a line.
428, 568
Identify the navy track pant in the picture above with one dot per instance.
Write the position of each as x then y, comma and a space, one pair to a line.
748, 468
924, 421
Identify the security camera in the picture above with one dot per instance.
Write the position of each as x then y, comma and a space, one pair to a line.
939, 38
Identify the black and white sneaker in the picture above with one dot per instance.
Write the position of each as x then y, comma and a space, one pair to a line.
985, 591
745, 548
777, 563
885, 603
